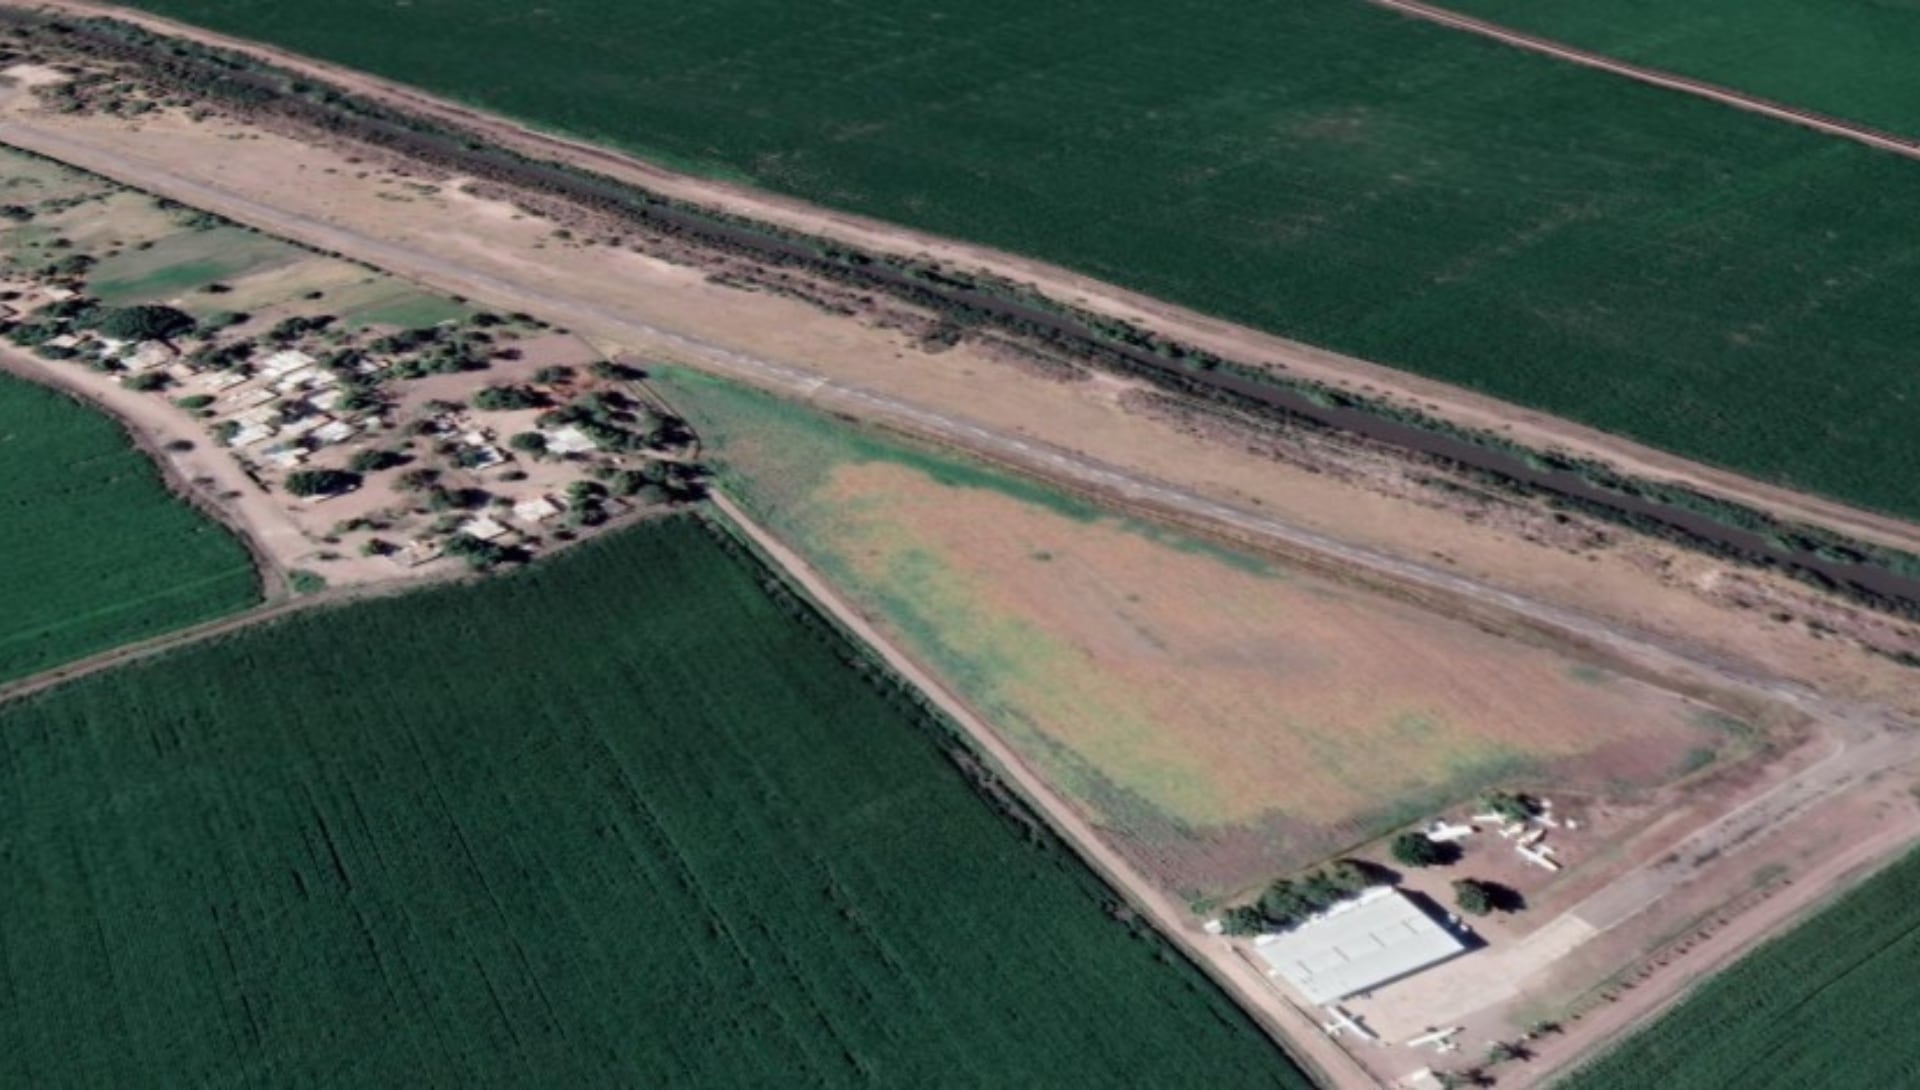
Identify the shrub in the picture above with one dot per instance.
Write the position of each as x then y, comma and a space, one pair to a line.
321, 482
144, 322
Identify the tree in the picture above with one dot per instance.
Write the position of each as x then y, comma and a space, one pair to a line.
321, 482
1416, 849
147, 381
1510, 805
503, 398
1474, 897
529, 442
306, 582
1243, 920
373, 461
547, 376
144, 322
416, 480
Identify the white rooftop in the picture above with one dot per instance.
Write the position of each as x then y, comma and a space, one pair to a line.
1375, 939
285, 362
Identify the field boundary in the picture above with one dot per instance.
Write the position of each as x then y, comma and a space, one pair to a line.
1827, 124
1283, 359
1291, 1030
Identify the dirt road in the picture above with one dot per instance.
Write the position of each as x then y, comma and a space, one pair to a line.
1303, 1038
1851, 724
1831, 126
1232, 341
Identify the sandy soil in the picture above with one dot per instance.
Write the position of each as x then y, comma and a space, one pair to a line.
1265, 713
1617, 597
632, 300
1171, 918
1227, 339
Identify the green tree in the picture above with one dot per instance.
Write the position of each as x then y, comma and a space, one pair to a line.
503, 398
144, 322
374, 460
321, 482
1243, 920
1475, 898
529, 442
1415, 849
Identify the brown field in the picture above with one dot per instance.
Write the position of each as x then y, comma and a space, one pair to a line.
1222, 716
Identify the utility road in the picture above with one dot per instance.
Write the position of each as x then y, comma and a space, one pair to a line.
1861, 736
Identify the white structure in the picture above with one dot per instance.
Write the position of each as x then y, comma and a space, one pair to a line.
484, 528
337, 431
281, 364
1374, 939
1442, 833
569, 440
537, 509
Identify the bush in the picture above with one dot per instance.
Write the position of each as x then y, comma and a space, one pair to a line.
321, 482
373, 461
1416, 850
145, 322
306, 582
504, 398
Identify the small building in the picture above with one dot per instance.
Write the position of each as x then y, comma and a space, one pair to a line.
417, 552
1375, 939
285, 362
338, 431
250, 435
148, 355
537, 509
569, 440
484, 528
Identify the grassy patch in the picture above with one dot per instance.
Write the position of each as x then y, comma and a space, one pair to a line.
184, 261
1720, 284
630, 817
95, 551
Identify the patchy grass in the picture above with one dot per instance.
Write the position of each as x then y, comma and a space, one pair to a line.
1188, 698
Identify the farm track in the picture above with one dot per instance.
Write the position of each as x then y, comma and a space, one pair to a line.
1293, 358
1286, 1022
1726, 96
1864, 736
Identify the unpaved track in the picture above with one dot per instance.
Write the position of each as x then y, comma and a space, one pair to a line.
1461, 406
1303, 1038
1726, 96
1852, 725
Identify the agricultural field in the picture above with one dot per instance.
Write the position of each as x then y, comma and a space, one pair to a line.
95, 551
1852, 59
687, 837
1723, 285
1827, 1004
1221, 717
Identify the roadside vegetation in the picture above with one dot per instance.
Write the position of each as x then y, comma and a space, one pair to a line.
94, 550
1487, 217
1827, 1004
633, 816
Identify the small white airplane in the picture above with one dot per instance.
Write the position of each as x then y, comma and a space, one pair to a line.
1442, 1040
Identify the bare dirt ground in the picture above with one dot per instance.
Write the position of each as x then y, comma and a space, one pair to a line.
1634, 604
1173, 920
1232, 341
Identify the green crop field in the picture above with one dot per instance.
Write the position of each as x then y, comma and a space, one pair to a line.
1828, 1004
1849, 58
628, 818
1720, 284
94, 551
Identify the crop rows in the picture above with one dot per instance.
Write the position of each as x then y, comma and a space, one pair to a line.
1828, 1004
631, 817
1724, 285
94, 551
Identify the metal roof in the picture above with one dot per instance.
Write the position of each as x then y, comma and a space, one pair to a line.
1374, 939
